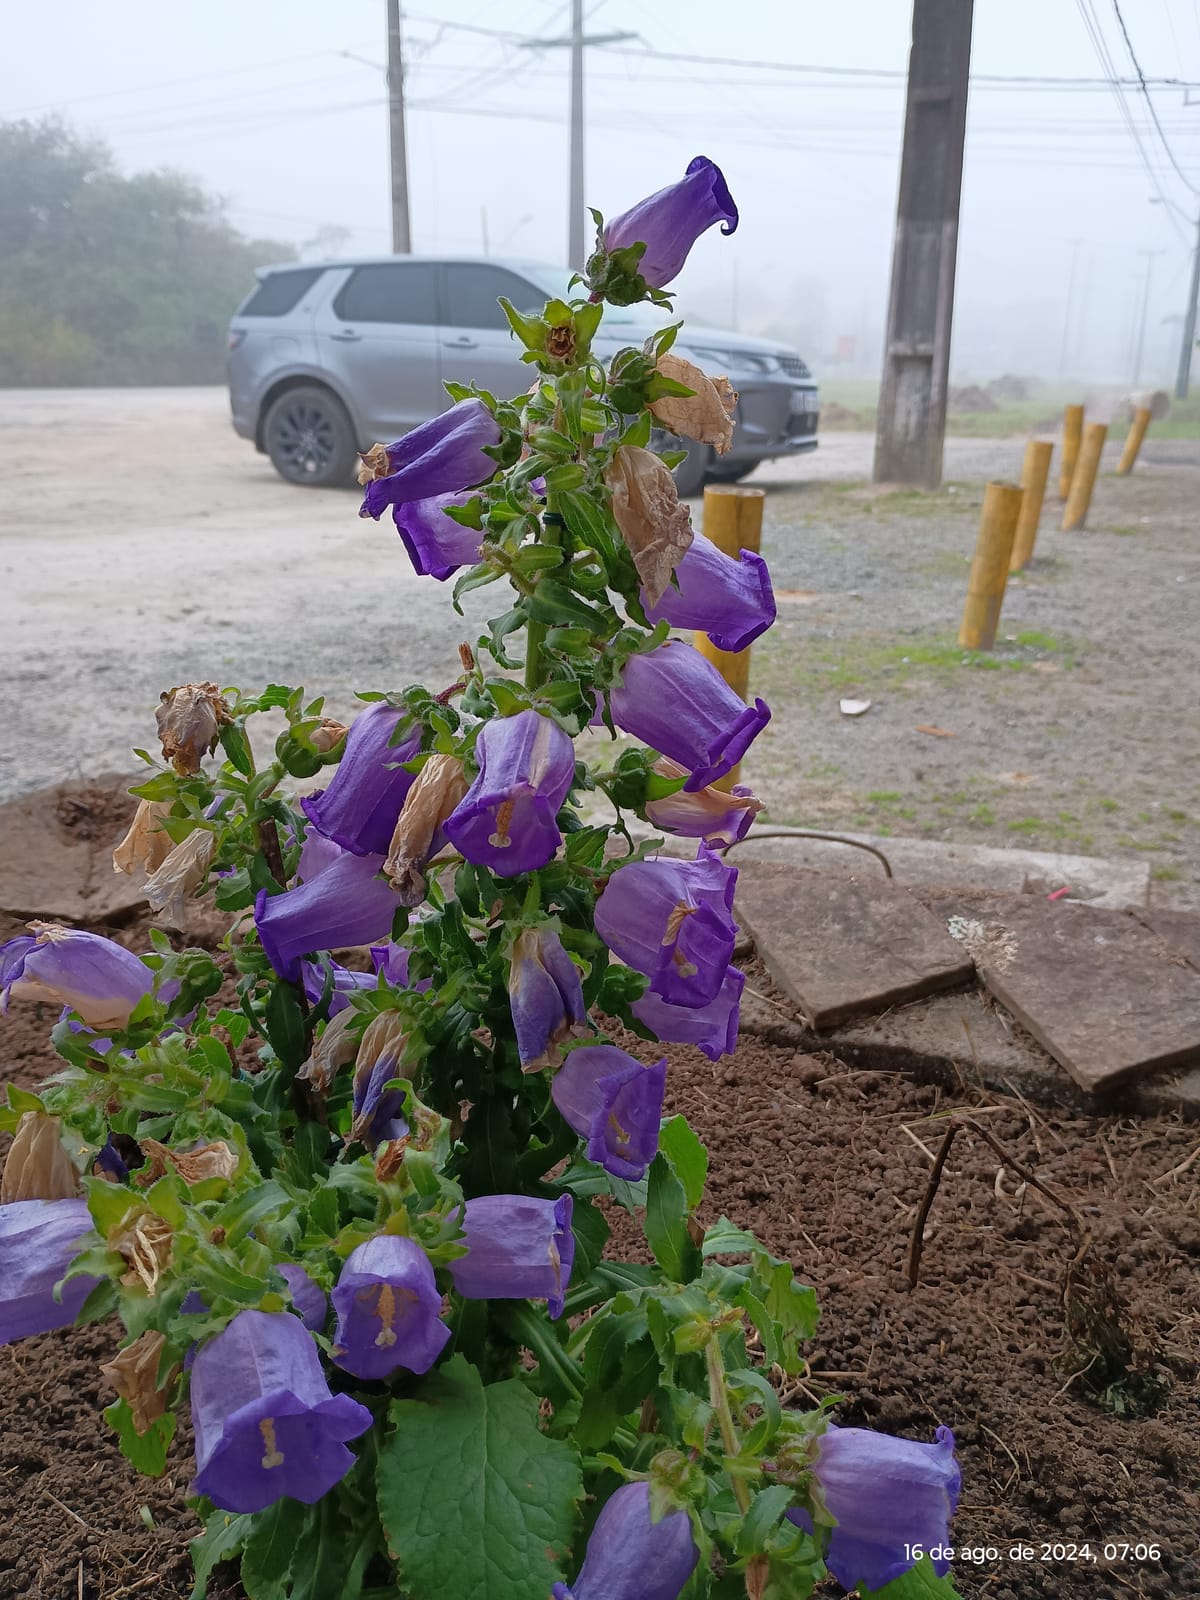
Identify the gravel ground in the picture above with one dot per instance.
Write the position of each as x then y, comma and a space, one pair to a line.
142, 544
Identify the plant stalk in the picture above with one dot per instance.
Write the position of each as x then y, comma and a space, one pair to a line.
720, 1404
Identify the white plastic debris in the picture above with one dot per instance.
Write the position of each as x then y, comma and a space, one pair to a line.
854, 708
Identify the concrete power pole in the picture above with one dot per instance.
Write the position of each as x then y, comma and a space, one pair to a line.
401, 230
1140, 344
1184, 376
916, 364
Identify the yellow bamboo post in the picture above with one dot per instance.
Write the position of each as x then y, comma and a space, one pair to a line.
1083, 480
1133, 441
1034, 472
733, 521
1072, 433
989, 570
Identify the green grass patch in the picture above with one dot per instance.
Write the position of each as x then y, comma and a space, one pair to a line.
1166, 874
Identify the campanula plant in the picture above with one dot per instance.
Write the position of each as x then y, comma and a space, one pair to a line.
348, 1182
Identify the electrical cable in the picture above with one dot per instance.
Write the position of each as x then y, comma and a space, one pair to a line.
1149, 101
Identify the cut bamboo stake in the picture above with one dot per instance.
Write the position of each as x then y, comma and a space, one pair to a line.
1133, 441
1072, 433
989, 570
1034, 473
733, 521
1083, 480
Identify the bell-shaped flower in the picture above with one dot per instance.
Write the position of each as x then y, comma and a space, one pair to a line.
712, 1028
133, 1373
310, 1303
86, 972
388, 1309
731, 601
346, 983
442, 456
376, 1107
316, 853
437, 545
676, 701
672, 920
390, 962
654, 522
348, 903
630, 1556
670, 221
707, 414
545, 994
189, 719
39, 1239
180, 875
615, 1103
507, 820
419, 833
37, 1166
146, 844
359, 808
718, 816
266, 1423
888, 1495
518, 1248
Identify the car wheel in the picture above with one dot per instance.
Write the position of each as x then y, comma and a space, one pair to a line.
733, 473
690, 473
308, 437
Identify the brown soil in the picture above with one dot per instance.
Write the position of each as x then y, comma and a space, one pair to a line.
816, 1158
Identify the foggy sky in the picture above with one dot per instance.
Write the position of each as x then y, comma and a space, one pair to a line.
255, 99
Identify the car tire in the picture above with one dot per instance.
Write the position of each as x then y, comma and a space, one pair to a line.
691, 471
733, 473
308, 437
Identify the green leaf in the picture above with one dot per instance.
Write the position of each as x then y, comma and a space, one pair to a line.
918, 1583
271, 1550
147, 1451
687, 1156
665, 1224
284, 1024
237, 747
223, 1536
553, 602
475, 1500
764, 1516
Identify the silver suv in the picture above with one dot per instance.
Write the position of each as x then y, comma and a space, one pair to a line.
326, 359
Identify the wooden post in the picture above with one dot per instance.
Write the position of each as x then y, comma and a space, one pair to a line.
1083, 479
733, 521
1072, 433
989, 570
1033, 481
1133, 442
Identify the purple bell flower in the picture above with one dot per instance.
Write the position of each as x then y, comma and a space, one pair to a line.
376, 1107
366, 793
310, 1302
266, 1423
38, 1242
437, 545
669, 222
507, 818
348, 903
346, 983
442, 456
731, 601
388, 1310
518, 1248
390, 961
615, 1103
677, 702
68, 967
712, 1028
545, 993
316, 853
886, 1494
672, 920
631, 1557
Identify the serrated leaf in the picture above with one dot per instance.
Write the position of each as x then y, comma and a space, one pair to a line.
271, 1550
224, 1535
474, 1499
764, 1516
687, 1157
665, 1223
147, 1451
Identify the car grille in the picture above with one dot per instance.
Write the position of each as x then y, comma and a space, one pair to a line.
794, 367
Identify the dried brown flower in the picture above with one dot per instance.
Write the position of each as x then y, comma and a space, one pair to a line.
706, 414
375, 464
133, 1373
190, 718
560, 342
435, 792
654, 524
328, 734
180, 875
203, 1161
145, 1242
146, 845
332, 1050
38, 1168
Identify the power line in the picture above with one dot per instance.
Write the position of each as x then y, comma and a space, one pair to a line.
1149, 102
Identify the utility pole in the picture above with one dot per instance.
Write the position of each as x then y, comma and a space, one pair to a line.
1076, 245
398, 146
916, 365
576, 41
1140, 345
1184, 376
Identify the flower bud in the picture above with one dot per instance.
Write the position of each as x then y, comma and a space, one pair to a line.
654, 524
146, 845
133, 1373
38, 1168
180, 875
706, 414
189, 720
435, 793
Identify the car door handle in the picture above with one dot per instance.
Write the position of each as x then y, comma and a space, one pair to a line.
462, 343
347, 336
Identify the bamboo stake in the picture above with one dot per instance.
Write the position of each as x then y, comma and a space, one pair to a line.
1083, 480
989, 570
1034, 473
1133, 441
1072, 433
733, 521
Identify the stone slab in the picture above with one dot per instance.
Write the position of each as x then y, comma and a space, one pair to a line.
56, 853
1109, 999
1181, 929
841, 946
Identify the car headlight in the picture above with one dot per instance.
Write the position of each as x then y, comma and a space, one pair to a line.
732, 361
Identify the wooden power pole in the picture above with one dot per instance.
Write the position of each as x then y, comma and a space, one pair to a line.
398, 146
916, 363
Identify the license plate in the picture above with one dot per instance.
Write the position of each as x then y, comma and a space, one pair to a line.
804, 402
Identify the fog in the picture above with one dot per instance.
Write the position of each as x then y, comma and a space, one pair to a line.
281, 108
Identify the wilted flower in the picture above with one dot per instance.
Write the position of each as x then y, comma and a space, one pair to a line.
615, 1103
442, 456
92, 975
189, 719
518, 1248
705, 415
144, 1239
678, 703
38, 1241
109, 1164
377, 1108
388, 1310
671, 920
37, 1167
336, 1045
887, 1494
545, 994
670, 221
632, 1557
359, 808
437, 545
419, 833
654, 523
308, 1300
718, 816
508, 820
180, 875
133, 1373
197, 1165
327, 735
348, 903
712, 1028
146, 845
266, 1424
731, 601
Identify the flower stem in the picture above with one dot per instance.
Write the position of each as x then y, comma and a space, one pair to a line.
720, 1404
535, 632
